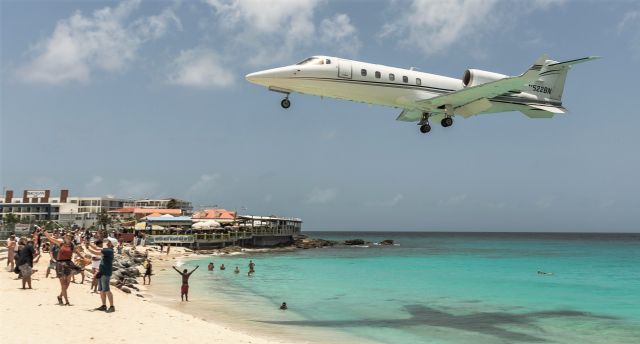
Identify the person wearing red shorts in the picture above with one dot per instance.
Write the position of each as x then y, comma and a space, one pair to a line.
184, 290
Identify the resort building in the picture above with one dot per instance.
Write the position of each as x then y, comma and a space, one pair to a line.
163, 203
39, 205
222, 216
139, 213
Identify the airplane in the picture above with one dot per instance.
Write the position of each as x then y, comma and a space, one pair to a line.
537, 93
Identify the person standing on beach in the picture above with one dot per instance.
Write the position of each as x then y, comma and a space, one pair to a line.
147, 272
96, 259
184, 290
65, 267
104, 270
25, 264
11, 251
53, 254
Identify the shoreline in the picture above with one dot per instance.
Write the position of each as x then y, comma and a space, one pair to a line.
136, 319
240, 314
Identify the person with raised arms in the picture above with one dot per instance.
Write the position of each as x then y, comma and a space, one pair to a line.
184, 290
64, 266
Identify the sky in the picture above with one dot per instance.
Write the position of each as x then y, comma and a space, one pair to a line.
148, 99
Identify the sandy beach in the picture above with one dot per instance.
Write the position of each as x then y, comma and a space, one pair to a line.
36, 315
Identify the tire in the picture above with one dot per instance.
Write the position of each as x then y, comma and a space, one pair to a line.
447, 122
285, 103
425, 128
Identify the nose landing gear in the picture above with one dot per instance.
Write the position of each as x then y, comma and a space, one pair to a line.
285, 103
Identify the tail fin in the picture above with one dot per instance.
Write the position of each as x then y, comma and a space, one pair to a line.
552, 77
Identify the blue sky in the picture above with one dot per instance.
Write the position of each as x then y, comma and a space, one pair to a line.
148, 99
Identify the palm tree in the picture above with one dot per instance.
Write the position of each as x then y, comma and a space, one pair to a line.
104, 219
172, 204
10, 221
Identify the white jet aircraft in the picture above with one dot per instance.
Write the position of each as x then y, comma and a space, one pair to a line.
537, 93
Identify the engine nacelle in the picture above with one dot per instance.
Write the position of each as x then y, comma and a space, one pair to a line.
475, 77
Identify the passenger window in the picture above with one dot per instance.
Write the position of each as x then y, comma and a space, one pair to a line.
405, 79
363, 72
377, 75
418, 81
392, 77
328, 61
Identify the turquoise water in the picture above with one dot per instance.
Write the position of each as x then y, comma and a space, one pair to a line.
446, 288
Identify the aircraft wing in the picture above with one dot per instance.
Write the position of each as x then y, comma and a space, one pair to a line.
476, 97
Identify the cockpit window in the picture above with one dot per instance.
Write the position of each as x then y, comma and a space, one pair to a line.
313, 61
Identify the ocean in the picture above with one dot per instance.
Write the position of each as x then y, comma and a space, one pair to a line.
431, 288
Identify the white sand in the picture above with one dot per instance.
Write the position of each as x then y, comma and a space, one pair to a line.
34, 316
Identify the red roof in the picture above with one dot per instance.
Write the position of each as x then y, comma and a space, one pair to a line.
148, 211
215, 214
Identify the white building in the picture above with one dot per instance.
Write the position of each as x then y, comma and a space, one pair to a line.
38, 205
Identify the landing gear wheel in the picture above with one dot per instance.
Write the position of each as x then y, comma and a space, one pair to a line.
425, 128
285, 103
447, 122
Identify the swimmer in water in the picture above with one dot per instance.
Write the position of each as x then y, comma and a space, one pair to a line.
222, 267
284, 306
544, 273
237, 270
210, 266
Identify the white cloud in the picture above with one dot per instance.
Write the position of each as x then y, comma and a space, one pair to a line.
630, 24
321, 196
200, 68
136, 188
545, 202
270, 30
94, 183
453, 200
388, 203
339, 32
435, 26
496, 205
204, 184
105, 40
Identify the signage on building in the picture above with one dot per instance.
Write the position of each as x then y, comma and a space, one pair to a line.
169, 239
35, 193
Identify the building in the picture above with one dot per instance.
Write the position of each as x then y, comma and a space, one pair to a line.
221, 216
39, 205
139, 213
164, 203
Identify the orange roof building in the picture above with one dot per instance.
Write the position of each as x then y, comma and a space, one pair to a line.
138, 213
219, 215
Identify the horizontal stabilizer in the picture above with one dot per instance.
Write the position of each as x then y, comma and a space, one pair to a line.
549, 108
572, 62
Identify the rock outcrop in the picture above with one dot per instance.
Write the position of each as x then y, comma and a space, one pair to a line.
354, 242
306, 243
386, 242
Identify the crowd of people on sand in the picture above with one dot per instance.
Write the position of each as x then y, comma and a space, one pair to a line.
69, 253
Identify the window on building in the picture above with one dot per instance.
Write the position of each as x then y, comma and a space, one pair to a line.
363, 72
392, 77
378, 75
405, 79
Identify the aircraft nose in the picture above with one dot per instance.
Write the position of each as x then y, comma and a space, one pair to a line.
257, 76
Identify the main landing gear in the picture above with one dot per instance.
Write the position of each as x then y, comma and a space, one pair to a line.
424, 123
446, 122
285, 103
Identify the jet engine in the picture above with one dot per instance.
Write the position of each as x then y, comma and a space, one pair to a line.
475, 77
